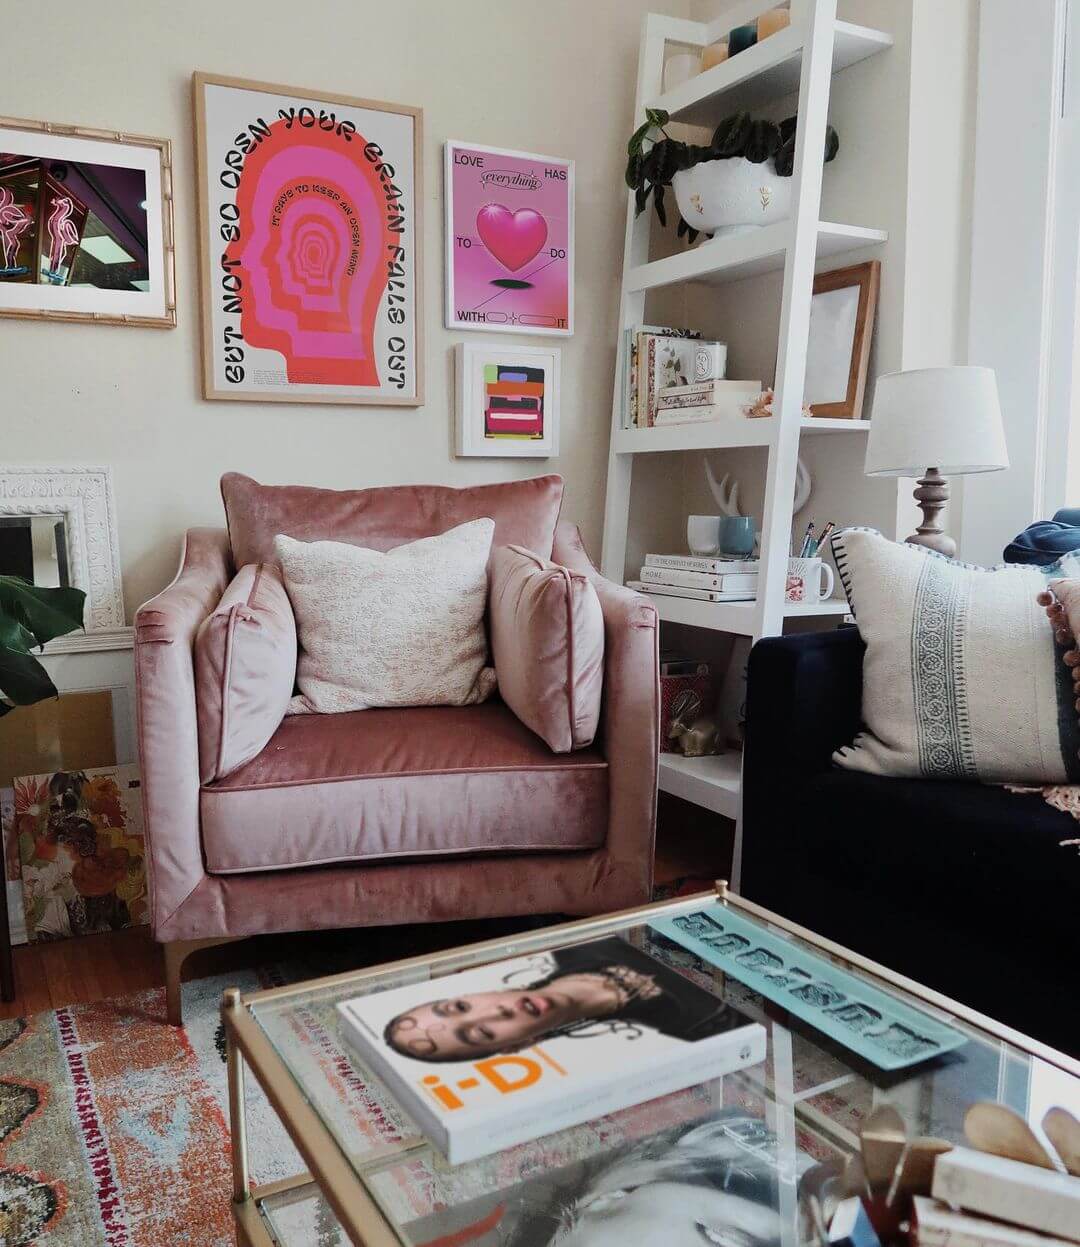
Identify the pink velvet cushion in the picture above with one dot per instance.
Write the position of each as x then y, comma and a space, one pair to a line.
245, 669
547, 638
424, 781
525, 513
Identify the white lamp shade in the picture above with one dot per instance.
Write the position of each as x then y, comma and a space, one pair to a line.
944, 418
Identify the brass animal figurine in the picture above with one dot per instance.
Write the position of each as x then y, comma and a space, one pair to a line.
697, 734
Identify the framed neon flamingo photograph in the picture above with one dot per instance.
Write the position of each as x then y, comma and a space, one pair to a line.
509, 241
86, 225
310, 236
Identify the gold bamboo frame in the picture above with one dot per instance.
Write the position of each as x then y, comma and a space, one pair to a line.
168, 230
329, 1168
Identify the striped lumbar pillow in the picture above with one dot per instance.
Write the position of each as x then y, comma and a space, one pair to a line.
962, 677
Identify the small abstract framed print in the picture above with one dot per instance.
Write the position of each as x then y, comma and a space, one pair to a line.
506, 401
509, 241
86, 225
310, 234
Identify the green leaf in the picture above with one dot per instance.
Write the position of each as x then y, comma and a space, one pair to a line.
633, 171
730, 136
47, 613
832, 144
23, 679
30, 616
657, 117
633, 148
762, 142
785, 159
658, 203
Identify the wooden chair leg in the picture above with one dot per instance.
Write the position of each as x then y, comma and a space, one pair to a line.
176, 952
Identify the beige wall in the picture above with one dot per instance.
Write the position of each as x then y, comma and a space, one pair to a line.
556, 78
906, 121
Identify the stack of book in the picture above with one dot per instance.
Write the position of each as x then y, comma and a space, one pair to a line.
674, 376
704, 400
706, 579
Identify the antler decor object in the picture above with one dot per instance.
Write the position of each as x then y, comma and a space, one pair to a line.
726, 490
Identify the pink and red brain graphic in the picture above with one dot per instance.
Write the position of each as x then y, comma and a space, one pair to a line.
313, 250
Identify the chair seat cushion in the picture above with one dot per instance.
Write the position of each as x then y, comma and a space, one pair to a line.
393, 783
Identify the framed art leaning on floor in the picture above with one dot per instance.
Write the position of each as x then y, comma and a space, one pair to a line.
310, 240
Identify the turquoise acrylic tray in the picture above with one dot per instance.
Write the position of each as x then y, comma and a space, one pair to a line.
873, 1024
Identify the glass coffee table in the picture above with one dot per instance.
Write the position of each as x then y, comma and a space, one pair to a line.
744, 1143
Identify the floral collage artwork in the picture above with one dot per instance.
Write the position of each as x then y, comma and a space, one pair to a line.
75, 841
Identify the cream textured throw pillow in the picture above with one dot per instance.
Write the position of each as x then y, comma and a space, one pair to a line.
963, 677
402, 627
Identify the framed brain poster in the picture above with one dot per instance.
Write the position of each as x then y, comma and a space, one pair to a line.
509, 241
309, 219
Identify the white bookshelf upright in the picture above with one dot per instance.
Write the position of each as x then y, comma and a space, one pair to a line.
801, 58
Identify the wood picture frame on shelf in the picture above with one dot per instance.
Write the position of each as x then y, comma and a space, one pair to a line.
86, 225
842, 311
310, 241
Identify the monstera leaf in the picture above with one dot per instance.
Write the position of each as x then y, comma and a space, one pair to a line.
30, 616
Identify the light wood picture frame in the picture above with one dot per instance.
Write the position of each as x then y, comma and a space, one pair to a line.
86, 225
311, 245
842, 312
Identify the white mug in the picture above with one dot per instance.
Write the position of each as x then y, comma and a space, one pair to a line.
703, 534
808, 580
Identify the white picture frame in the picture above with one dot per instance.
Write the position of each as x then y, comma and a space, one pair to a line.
494, 293
83, 495
490, 424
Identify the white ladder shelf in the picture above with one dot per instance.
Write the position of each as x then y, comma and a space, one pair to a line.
802, 57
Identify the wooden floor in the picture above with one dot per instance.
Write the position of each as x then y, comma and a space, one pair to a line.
98, 967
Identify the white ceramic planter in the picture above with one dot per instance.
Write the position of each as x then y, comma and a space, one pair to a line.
731, 196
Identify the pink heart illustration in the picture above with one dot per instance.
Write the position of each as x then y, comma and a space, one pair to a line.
513, 238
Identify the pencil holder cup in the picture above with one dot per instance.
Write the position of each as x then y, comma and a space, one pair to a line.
808, 580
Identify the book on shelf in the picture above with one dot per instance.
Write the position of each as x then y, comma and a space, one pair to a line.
699, 595
662, 360
699, 563
937, 1225
503, 1053
726, 582
682, 666
723, 398
630, 368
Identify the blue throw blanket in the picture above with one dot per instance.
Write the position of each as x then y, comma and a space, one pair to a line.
1046, 541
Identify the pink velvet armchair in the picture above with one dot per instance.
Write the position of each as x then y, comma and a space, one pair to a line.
388, 816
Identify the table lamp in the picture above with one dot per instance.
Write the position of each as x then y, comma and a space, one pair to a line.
933, 423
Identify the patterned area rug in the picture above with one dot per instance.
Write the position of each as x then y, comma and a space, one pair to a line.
113, 1125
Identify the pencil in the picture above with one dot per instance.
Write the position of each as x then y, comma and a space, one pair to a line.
824, 537
807, 538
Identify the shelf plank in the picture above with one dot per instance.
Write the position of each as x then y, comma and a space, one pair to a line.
736, 617
737, 256
768, 71
713, 783
721, 434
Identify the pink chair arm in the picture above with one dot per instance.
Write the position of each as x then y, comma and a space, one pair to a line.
165, 630
630, 715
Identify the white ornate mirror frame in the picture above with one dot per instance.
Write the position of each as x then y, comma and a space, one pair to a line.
83, 495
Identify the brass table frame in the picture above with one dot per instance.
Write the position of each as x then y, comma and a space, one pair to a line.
330, 1169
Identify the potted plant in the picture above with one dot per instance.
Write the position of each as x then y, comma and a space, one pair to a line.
739, 181
30, 616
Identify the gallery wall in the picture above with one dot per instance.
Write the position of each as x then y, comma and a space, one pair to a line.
556, 79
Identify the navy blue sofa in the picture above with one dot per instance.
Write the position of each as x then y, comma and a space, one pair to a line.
964, 887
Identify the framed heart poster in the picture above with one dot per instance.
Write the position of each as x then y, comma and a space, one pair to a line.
509, 241
310, 231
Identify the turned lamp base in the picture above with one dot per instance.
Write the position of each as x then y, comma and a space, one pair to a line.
932, 495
